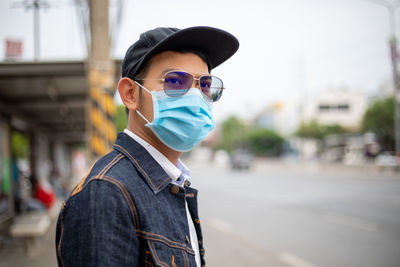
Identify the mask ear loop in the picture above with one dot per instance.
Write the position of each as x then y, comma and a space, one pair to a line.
141, 115
137, 111
141, 86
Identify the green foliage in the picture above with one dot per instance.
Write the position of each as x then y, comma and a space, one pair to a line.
260, 141
20, 145
264, 142
379, 119
315, 130
121, 118
334, 129
232, 134
311, 129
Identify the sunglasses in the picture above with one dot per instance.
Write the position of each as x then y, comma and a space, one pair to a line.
178, 83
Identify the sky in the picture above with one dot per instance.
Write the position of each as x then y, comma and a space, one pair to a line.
290, 50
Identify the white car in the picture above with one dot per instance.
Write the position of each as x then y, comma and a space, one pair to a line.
386, 159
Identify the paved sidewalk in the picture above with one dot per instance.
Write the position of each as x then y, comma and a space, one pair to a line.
13, 254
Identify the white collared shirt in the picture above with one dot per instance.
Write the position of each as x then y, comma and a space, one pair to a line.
176, 173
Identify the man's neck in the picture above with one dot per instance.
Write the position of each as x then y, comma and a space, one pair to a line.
150, 138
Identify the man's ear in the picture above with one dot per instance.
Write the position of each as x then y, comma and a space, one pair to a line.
129, 93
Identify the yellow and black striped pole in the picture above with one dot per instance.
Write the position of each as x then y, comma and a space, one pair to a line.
101, 111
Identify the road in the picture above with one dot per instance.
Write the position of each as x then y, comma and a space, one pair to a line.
295, 215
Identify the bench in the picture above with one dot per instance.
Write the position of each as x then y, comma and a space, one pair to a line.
30, 226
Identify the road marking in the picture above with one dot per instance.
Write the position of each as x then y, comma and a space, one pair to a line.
293, 260
352, 222
222, 225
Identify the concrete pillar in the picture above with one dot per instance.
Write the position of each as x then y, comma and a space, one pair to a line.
42, 161
61, 159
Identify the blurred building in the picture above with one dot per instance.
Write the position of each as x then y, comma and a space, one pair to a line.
337, 106
342, 106
279, 116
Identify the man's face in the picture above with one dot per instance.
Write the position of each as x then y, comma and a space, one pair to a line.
162, 63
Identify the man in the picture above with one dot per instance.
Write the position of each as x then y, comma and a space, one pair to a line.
136, 206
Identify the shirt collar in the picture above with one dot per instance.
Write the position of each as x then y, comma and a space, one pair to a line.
179, 173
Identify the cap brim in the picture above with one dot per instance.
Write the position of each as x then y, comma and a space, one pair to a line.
216, 44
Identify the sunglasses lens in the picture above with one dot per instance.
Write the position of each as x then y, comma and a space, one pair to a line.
177, 83
211, 87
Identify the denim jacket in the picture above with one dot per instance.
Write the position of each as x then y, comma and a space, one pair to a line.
126, 212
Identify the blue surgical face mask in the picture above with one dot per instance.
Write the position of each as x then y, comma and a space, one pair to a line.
180, 122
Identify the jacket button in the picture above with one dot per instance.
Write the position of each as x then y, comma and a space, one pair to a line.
174, 189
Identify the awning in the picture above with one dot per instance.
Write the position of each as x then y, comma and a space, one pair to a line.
49, 97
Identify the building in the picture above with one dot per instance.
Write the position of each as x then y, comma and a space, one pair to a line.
337, 106
279, 116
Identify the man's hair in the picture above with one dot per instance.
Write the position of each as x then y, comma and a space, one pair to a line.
144, 69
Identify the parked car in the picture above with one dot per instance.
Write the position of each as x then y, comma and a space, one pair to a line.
386, 159
241, 159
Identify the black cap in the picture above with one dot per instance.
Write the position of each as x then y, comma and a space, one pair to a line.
216, 44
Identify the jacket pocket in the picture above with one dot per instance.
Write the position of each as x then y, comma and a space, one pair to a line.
160, 254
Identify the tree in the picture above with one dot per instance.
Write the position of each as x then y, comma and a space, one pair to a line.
379, 119
334, 129
121, 118
311, 129
20, 145
260, 141
318, 131
264, 142
232, 134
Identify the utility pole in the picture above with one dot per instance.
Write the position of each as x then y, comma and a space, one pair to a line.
36, 5
36, 30
396, 81
100, 108
391, 7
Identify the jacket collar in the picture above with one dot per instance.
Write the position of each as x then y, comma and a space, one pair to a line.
151, 171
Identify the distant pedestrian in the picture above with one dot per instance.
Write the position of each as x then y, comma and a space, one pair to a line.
43, 192
136, 206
